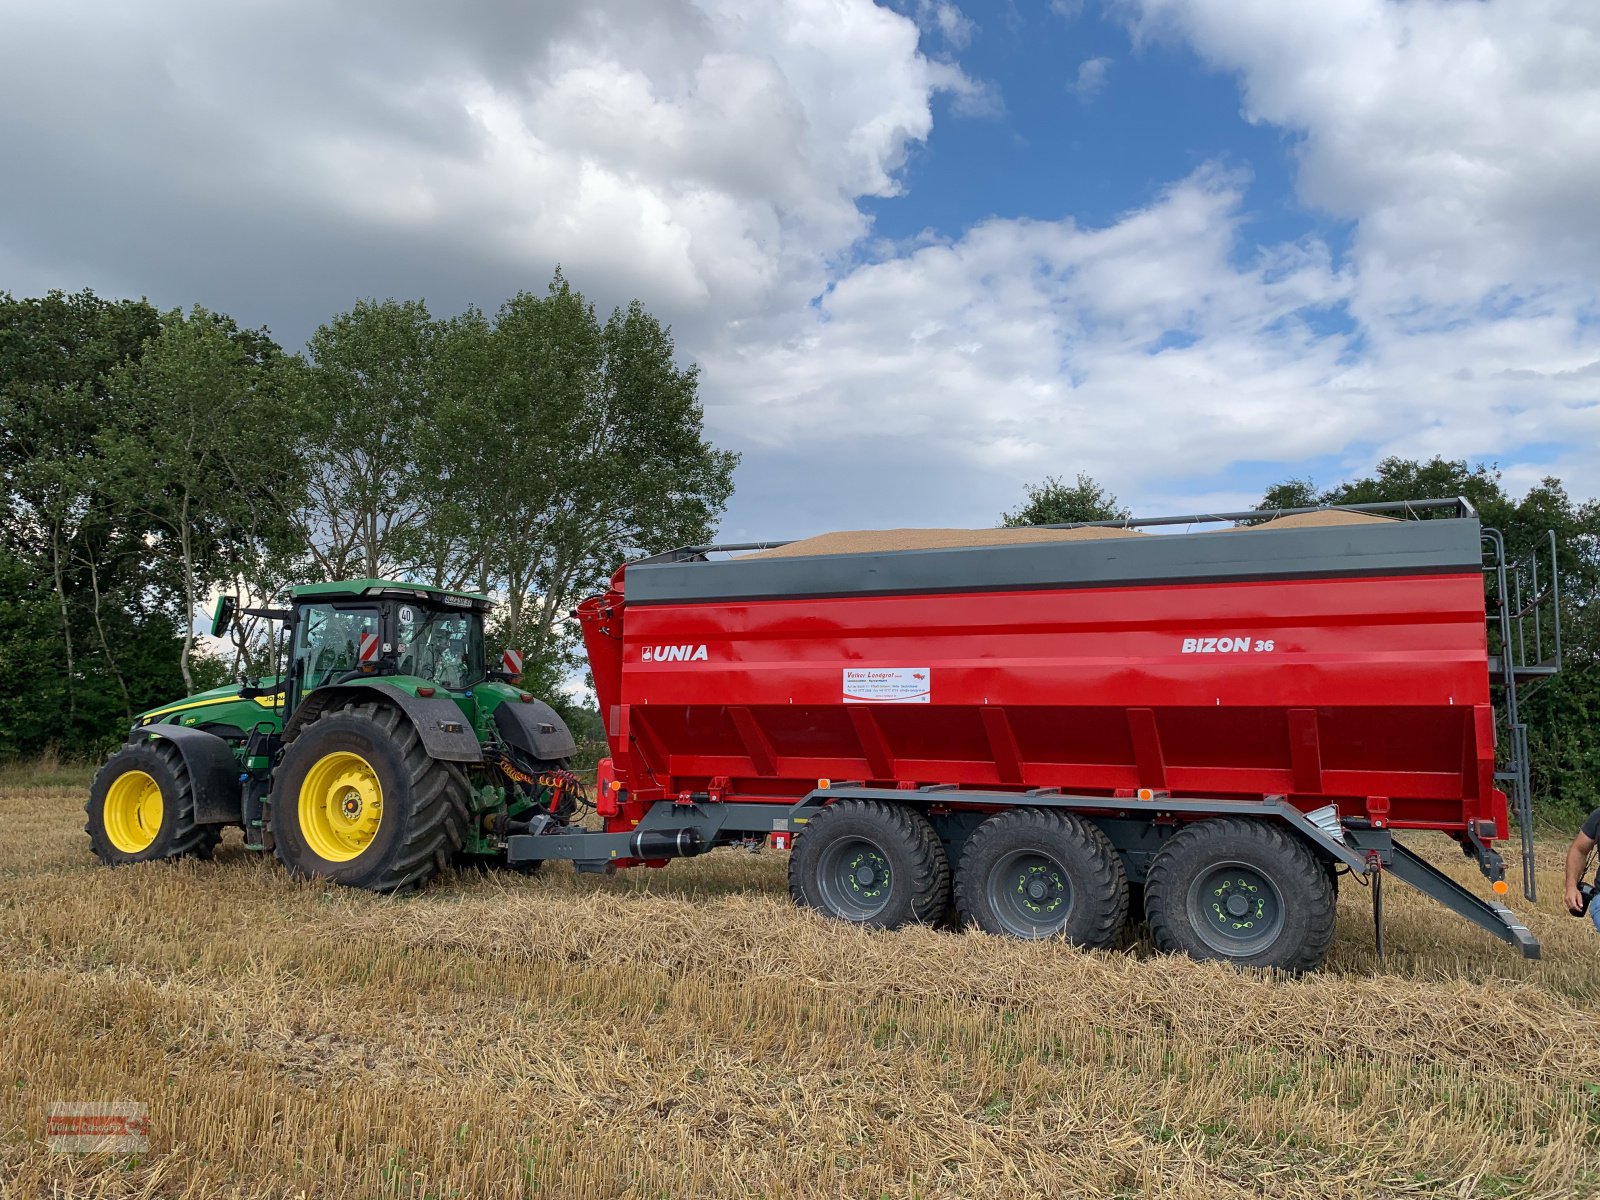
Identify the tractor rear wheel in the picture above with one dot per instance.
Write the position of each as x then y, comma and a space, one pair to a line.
141, 807
358, 800
872, 864
1032, 873
1243, 891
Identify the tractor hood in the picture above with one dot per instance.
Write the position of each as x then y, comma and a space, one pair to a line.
219, 705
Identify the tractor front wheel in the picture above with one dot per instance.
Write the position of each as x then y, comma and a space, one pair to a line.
141, 807
358, 800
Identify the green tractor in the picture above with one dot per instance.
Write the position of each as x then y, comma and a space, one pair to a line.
385, 751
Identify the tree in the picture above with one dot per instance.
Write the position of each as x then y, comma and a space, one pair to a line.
563, 447
364, 398
203, 457
1055, 502
67, 546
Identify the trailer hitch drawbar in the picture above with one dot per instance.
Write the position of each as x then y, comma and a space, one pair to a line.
594, 851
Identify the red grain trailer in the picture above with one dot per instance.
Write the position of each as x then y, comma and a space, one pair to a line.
1216, 724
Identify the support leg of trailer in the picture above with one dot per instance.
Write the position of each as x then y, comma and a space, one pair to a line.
1488, 915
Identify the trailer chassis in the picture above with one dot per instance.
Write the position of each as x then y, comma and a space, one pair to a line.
696, 823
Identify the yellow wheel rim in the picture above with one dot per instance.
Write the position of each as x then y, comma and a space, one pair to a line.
341, 806
132, 812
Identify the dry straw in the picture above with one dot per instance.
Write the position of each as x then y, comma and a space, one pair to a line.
690, 1033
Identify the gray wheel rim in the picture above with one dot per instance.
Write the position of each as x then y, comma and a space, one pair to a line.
1030, 894
854, 878
1236, 909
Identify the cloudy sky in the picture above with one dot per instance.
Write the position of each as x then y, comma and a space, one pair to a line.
923, 252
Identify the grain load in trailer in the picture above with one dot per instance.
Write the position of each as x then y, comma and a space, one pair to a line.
1039, 727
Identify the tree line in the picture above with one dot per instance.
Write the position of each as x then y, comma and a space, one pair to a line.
1562, 712
150, 459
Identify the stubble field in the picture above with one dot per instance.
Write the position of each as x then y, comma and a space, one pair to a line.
689, 1033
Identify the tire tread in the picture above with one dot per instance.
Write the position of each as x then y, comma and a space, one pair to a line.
1311, 952
438, 792
1108, 872
189, 839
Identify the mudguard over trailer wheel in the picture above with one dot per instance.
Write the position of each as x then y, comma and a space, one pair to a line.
873, 864
1034, 873
358, 800
1244, 891
141, 807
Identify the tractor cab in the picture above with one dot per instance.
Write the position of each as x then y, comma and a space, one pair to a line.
342, 632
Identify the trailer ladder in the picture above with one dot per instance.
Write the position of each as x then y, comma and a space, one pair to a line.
1524, 598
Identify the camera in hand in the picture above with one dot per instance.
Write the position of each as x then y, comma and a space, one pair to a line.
1586, 890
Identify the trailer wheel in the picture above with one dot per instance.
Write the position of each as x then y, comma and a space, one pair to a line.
872, 864
1242, 891
1032, 873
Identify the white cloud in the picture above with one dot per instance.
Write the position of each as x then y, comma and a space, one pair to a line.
712, 158
1090, 79
709, 157
1024, 345
1462, 141
952, 24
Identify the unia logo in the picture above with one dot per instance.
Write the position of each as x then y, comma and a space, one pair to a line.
673, 654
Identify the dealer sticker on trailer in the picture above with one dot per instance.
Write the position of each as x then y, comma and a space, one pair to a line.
887, 685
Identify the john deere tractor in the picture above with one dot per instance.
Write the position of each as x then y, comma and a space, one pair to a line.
383, 751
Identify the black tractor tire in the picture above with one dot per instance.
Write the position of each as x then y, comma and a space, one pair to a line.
1243, 891
1036, 873
423, 802
174, 835
871, 864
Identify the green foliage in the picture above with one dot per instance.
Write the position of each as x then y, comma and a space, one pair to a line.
151, 459
203, 456
365, 398
1056, 502
1563, 713
86, 604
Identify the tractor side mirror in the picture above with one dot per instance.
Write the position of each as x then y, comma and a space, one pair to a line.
222, 616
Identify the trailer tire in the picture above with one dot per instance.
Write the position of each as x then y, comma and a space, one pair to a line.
141, 807
872, 864
1033, 873
358, 800
1242, 891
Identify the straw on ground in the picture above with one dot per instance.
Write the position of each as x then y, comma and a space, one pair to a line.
690, 1033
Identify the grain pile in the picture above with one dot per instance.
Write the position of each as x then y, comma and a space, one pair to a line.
870, 541
876, 541
1311, 520
690, 1032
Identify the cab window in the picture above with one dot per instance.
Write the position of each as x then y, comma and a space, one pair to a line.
328, 641
445, 646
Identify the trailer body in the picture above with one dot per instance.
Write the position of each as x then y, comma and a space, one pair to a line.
1332, 679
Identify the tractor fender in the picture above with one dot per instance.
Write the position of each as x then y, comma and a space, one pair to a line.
213, 771
445, 732
535, 728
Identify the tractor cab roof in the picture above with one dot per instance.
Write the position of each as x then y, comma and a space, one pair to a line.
390, 589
